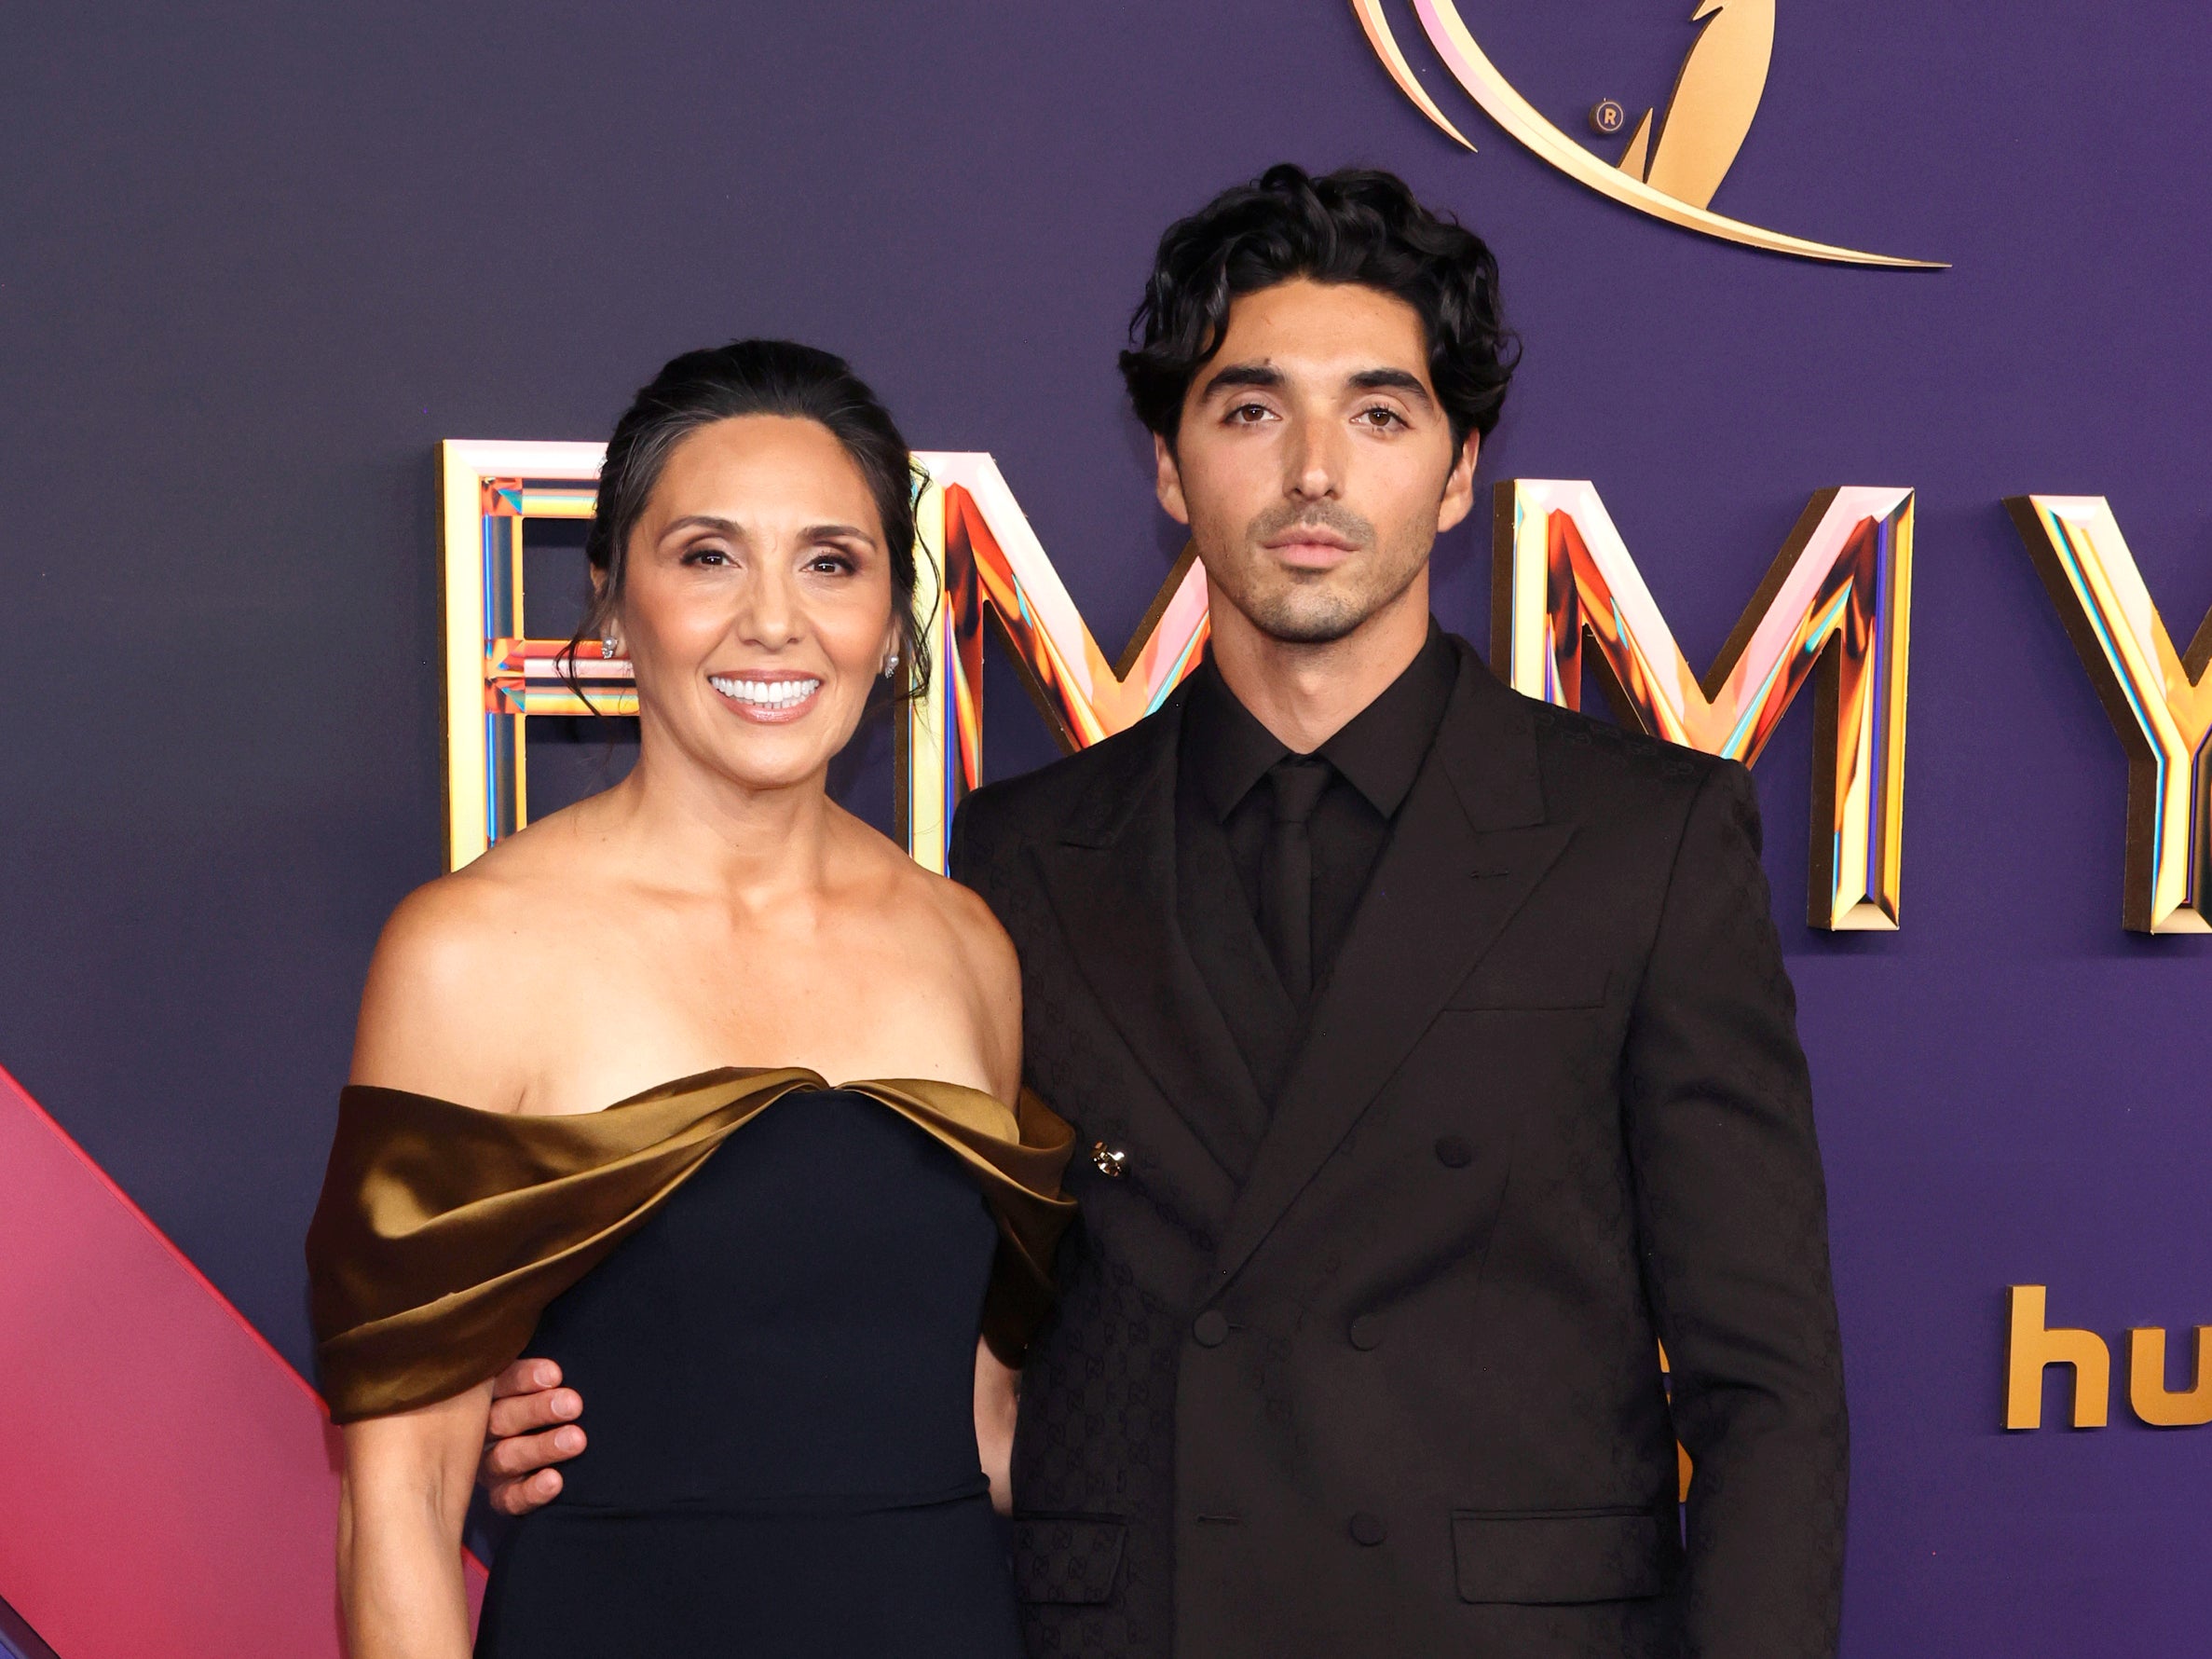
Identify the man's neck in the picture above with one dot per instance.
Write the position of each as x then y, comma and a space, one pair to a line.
1305, 693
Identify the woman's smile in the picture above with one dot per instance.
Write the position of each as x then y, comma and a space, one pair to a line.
766, 695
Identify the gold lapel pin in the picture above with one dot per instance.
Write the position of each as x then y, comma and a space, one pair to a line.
1108, 1160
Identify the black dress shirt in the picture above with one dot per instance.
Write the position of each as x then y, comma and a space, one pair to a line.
1222, 823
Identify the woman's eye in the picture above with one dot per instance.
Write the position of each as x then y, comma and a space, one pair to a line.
833, 564
706, 555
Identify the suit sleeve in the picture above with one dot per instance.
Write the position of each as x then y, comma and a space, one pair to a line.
1732, 1213
959, 861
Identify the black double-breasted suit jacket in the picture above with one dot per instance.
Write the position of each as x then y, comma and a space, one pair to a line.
1393, 1386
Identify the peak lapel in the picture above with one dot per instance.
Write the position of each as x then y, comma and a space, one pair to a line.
1111, 878
1471, 845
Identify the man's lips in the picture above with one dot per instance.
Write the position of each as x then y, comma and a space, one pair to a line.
1310, 547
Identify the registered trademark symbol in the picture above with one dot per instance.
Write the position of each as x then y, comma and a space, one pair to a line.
1607, 117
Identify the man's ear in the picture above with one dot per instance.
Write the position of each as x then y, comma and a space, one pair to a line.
1459, 486
1167, 482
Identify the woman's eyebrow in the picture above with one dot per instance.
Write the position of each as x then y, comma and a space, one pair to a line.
707, 521
833, 532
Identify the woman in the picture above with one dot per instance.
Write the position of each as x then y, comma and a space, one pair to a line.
753, 557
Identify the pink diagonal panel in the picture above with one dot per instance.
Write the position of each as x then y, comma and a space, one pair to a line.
168, 1483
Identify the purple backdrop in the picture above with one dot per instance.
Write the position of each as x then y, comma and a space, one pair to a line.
259, 258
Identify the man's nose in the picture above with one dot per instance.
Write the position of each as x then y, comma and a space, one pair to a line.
1314, 463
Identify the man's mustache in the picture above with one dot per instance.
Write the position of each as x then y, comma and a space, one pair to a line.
1279, 521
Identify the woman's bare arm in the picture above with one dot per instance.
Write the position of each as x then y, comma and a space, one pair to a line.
998, 1001
998, 1396
431, 1020
401, 1509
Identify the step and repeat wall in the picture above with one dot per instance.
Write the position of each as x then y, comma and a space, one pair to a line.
1861, 421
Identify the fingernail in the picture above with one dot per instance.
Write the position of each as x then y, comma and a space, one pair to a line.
568, 1440
566, 1405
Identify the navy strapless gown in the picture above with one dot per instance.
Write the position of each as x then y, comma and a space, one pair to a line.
778, 1373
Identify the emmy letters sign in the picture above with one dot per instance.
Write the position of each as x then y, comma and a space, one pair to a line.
1569, 605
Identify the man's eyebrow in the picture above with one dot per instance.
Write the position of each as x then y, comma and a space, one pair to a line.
1242, 374
1393, 380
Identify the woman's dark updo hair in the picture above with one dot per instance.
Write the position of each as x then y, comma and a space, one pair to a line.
1360, 225
754, 377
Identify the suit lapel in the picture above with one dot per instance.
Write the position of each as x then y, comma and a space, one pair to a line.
1110, 879
1470, 846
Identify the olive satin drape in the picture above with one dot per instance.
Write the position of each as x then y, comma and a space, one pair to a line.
442, 1231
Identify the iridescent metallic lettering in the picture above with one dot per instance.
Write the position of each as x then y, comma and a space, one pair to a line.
2159, 699
1837, 599
984, 559
991, 563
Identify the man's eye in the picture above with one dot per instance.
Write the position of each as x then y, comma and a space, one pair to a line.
1380, 416
1249, 413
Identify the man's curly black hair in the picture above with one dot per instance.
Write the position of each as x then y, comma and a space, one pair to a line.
1359, 224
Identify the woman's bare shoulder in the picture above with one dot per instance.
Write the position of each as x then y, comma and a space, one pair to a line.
446, 1006
930, 903
952, 927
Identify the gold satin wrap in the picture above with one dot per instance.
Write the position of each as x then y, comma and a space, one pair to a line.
442, 1231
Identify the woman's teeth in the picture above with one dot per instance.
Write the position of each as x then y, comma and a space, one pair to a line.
765, 694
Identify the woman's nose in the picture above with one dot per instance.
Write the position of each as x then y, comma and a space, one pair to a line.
772, 615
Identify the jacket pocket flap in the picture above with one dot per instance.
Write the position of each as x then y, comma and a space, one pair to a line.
1071, 1558
1543, 1557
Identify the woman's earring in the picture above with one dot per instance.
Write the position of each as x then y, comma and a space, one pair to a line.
610, 648
891, 665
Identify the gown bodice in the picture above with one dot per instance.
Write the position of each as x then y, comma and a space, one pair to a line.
768, 1292
796, 1323
778, 1373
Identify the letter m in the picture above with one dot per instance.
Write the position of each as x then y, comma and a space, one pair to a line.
1837, 602
983, 559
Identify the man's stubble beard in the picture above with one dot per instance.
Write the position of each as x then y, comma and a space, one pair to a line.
1314, 611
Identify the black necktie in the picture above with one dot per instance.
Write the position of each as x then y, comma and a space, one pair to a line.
1287, 871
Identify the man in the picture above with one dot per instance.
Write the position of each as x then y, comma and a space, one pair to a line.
1436, 1053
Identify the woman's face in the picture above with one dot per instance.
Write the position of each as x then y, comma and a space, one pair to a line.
756, 606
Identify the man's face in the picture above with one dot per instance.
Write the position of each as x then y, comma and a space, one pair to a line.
1315, 465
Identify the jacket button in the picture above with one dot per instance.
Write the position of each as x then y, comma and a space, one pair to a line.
1367, 1332
1368, 1529
1211, 1328
1454, 1153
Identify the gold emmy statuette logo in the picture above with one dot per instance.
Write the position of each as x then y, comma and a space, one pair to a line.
1670, 167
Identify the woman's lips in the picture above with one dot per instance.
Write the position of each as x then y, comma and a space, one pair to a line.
770, 700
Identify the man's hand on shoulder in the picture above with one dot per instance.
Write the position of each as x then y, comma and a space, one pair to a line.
533, 1428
